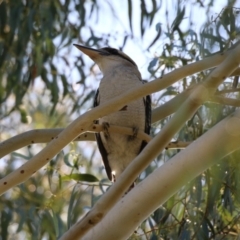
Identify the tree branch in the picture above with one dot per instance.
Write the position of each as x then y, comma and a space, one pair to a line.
47, 135
82, 123
200, 94
160, 185
225, 101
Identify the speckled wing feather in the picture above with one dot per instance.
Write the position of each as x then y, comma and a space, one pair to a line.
100, 143
148, 118
103, 152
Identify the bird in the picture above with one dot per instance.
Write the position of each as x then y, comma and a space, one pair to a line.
120, 73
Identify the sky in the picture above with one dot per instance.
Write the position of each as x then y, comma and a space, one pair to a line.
136, 46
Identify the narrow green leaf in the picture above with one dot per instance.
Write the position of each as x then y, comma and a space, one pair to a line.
66, 160
152, 64
80, 177
130, 14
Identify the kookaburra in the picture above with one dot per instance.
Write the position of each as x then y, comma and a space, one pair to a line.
120, 73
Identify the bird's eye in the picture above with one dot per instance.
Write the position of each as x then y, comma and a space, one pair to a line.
109, 51
113, 51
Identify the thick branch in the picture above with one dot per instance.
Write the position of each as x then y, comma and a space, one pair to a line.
197, 97
146, 89
225, 101
46, 135
232, 90
178, 145
159, 186
84, 122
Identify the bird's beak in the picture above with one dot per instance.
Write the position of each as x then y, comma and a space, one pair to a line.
92, 53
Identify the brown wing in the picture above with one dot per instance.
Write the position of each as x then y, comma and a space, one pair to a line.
100, 143
148, 118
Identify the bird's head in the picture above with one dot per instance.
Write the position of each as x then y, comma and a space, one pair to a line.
107, 58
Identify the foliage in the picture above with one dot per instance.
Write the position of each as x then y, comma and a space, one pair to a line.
43, 84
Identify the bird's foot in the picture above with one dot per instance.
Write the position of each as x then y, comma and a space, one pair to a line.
113, 177
105, 126
124, 108
130, 188
135, 133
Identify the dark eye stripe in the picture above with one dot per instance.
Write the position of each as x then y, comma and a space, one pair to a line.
113, 51
131, 61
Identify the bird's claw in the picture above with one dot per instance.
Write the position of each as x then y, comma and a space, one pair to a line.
105, 126
135, 133
124, 108
113, 177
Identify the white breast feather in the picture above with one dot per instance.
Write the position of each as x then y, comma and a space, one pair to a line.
120, 150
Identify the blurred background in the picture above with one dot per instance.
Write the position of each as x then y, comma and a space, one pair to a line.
45, 82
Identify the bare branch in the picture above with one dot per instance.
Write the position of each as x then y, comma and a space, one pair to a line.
200, 94
232, 90
160, 185
46, 135
81, 124
178, 145
225, 101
